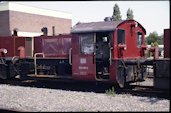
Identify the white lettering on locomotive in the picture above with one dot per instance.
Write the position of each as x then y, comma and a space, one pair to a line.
83, 61
83, 68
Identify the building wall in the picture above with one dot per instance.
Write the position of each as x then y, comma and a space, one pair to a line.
4, 23
30, 20
33, 23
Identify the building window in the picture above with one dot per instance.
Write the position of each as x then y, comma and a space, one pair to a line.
86, 43
139, 39
120, 36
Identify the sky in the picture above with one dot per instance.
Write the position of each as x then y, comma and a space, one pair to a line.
152, 15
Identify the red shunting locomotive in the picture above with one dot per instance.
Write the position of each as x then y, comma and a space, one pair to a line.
111, 51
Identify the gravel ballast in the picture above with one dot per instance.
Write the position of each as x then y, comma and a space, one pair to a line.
56, 100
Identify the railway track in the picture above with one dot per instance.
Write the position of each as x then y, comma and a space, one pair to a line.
147, 91
98, 87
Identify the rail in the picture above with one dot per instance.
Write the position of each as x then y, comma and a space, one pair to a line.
35, 64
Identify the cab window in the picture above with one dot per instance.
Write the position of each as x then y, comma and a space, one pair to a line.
86, 43
120, 36
139, 39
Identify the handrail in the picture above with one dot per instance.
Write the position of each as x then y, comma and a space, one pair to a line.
35, 65
70, 56
111, 55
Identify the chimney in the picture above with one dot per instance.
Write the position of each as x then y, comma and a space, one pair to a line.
53, 30
15, 32
44, 30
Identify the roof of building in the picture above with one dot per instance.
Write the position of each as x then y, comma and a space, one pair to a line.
98, 26
34, 10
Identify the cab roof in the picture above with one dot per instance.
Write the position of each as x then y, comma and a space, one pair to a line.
98, 26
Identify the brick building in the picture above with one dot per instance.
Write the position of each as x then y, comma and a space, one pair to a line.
30, 20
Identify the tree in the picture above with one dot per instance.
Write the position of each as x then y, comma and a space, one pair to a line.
153, 37
116, 13
130, 15
154, 44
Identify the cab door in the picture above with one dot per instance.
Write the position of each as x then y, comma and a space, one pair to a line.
83, 56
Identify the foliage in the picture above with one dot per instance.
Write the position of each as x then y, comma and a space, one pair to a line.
130, 15
110, 92
154, 44
116, 13
126, 95
154, 38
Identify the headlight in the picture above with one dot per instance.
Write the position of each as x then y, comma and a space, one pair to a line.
4, 50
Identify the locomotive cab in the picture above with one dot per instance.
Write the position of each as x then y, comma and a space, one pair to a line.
101, 51
98, 44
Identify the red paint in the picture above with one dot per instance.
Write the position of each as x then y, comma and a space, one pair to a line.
130, 40
12, 43
131, 50
83, 67
53, 46
142, 51
21, 49
113, 72
121, 48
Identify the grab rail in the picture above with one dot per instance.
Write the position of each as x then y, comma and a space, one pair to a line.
35, 65
111, 55
70, 56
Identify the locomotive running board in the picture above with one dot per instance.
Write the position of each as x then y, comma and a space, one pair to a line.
49, 76
61, 77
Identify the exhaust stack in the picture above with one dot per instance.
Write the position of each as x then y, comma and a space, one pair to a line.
44, 30
53, 30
